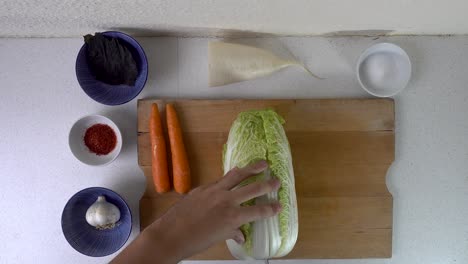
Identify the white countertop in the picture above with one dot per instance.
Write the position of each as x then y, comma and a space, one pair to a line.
41, 99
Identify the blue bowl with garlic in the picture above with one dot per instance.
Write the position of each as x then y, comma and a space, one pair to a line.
96, 222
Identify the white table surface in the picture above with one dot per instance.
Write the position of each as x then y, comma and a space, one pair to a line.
40, 100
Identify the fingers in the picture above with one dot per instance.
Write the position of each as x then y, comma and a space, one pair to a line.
255, 189
256, 212
237, 175
238, 236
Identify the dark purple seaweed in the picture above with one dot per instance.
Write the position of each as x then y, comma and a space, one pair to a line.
110, 60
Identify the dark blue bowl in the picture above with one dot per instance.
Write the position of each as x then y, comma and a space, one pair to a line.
85, 238
106, 93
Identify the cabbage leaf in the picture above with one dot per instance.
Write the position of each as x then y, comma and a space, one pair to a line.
259, 135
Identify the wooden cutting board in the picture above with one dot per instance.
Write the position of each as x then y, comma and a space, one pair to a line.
341, 152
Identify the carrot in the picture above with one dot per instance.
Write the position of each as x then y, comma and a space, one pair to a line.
180, 164
158, 152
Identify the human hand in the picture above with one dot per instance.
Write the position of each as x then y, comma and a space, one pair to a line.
212, 213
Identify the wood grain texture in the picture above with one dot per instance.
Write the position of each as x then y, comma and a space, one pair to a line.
301, 115
341, 151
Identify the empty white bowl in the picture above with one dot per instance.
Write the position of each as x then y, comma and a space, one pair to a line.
81, 151
384, 69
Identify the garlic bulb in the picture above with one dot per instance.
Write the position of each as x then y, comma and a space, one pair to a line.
102, 214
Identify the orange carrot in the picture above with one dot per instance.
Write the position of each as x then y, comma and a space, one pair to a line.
158, 152
180, 164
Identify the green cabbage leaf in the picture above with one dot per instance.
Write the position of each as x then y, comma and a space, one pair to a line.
259, 135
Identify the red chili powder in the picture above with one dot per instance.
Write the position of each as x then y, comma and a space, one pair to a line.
100, 139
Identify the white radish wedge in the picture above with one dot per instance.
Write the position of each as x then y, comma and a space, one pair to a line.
230, 63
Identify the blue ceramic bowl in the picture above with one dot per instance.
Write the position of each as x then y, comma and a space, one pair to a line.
112, 94
85, 238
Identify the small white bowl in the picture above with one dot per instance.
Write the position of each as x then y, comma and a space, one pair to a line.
81, 151
384, 69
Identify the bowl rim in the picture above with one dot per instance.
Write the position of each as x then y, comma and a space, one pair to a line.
127, 207
118, 135
144, 57
377, 48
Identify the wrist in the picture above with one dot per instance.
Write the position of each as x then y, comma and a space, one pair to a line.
166, 245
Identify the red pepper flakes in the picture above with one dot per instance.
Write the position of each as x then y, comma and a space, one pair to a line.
100, 139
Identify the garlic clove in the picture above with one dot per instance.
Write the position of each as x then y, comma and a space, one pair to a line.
102, 214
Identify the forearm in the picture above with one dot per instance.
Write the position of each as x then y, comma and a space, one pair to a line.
151, 246
207, 215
